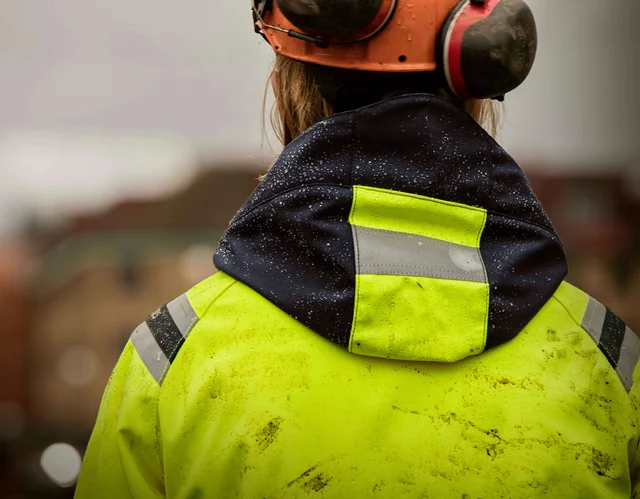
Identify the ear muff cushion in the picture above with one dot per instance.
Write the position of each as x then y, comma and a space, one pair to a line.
334, 19
487, 51
443, 48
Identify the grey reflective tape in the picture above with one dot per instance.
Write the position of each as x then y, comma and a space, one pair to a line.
629, 355
356, 249
380, 251
593, 319
616, 341
183, 314
150, 352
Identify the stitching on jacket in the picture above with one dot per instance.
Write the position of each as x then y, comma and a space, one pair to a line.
356, 290
170, 363
487, 292
192, 322
420, 197
287, 191
435, 275
424, 267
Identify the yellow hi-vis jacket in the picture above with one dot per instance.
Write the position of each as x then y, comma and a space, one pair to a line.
390, 319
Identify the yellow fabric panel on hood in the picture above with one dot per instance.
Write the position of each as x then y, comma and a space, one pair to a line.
402, 212
421, 288
419, 318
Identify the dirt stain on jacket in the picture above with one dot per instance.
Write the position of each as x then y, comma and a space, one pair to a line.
268, 434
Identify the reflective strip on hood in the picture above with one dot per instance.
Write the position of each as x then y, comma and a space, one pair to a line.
396, 253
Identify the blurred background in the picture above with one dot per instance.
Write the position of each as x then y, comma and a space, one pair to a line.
130, 133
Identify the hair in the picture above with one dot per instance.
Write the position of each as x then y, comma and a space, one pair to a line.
299, 104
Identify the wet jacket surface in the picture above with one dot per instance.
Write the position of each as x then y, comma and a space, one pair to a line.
389, 319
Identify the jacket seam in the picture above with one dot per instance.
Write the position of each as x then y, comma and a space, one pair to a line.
356, 294
528, 222
554, 297
487, 289
215, 299
286, 191
235, 281
421, 197
160, 387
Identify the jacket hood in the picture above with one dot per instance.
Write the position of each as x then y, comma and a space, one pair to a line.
399, 230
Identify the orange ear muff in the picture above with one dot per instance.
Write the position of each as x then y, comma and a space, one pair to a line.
482, 48
487, 47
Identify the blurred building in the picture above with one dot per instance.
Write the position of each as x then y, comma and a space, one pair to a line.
101, 276
14, 260
106, 274
15, 257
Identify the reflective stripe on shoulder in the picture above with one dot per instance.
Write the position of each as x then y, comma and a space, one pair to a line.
159, 338
620, 345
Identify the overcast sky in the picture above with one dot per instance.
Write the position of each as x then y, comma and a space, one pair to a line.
104, 99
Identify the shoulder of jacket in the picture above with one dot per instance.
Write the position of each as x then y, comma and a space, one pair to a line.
619, 344
159, 338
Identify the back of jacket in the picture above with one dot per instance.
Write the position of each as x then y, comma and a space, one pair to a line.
389, 320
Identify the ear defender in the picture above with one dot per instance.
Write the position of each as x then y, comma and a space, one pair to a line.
487, 47
480, 48
338, 20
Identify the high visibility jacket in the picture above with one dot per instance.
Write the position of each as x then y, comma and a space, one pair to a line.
389, 320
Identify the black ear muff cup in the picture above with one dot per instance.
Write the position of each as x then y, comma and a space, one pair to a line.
335, 19
487, 50
498, 52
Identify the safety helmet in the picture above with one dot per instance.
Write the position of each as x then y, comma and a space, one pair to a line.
482, 48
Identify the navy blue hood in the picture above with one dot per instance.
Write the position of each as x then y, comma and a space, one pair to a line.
292, 242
